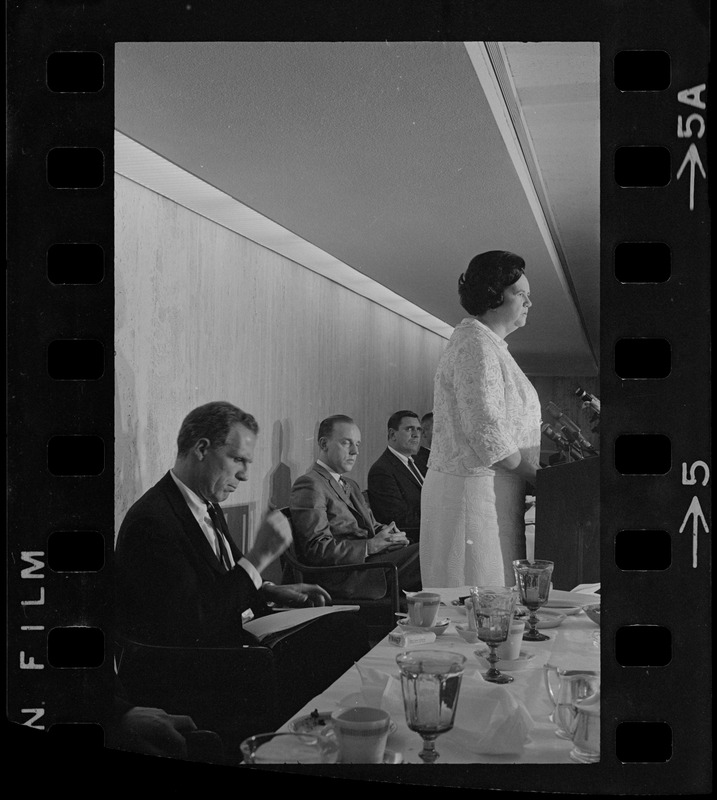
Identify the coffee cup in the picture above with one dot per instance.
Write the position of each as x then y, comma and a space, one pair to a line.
423, 608
509, 650
361, 732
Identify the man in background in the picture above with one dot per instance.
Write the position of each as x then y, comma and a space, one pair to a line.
395, 480
424, 450
334, 525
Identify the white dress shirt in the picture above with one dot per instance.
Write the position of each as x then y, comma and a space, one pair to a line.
198, 507
335, 475
404, 458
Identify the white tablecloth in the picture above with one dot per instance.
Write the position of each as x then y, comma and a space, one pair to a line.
570, 645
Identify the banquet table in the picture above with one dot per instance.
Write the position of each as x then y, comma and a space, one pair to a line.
572, 645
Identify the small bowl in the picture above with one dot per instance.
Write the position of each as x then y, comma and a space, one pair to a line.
593, 612
439, 628
467, 634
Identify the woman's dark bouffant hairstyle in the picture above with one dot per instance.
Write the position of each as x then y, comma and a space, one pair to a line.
481, 286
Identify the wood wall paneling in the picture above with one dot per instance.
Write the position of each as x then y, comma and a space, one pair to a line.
203, 314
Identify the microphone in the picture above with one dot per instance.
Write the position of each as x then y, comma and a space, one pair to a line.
588, 399
571, 430
562, 442
552, 434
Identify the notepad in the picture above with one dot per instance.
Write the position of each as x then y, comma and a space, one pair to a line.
283, 620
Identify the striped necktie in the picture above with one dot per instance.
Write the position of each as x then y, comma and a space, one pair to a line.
221, 552
414, 469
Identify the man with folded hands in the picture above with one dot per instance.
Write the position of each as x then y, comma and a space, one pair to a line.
334, 525
181, 581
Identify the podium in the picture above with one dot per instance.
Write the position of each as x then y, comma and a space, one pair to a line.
567, 521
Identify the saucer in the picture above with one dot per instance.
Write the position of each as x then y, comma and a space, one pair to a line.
439, 628
568, 610
549, 618
316, 722
320, 721
505, 665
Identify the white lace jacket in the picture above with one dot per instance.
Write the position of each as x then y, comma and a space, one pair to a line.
484, 408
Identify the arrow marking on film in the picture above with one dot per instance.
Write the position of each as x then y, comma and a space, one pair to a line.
693, 157
694, 511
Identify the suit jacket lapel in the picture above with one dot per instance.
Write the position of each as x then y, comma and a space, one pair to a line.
190, 525
355, 506
402, 469
358, 505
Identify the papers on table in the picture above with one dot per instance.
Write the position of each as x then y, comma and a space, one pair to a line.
562, 599
283, 620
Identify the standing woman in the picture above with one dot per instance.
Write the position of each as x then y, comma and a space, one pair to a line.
486, 435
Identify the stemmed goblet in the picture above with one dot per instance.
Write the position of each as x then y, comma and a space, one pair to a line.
493, 608
533, 583
430, 683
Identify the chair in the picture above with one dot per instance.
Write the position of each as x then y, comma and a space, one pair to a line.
245, 689
378, 614
231, 690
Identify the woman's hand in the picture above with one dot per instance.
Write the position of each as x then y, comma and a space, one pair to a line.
515, 463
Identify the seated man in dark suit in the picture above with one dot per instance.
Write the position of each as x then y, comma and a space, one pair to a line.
394, 480
334, 525
421, 457
181, 580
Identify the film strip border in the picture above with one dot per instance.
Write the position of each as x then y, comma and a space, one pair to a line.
60, 363
655, 385
655, 471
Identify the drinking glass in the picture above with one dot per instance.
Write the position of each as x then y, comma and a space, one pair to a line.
533, 583
493, 607
586, 730
572, 685
430, 683
290, 748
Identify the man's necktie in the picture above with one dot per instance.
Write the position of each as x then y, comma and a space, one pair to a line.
414, 469
222, 546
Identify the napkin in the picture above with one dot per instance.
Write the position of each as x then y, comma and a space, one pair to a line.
381, 690
587, 588
489, 718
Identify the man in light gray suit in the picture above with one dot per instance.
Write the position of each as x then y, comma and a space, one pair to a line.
333, 524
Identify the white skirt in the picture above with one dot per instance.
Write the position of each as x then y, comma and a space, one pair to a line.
472, 528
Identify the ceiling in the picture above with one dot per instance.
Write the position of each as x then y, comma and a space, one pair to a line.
400, 159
